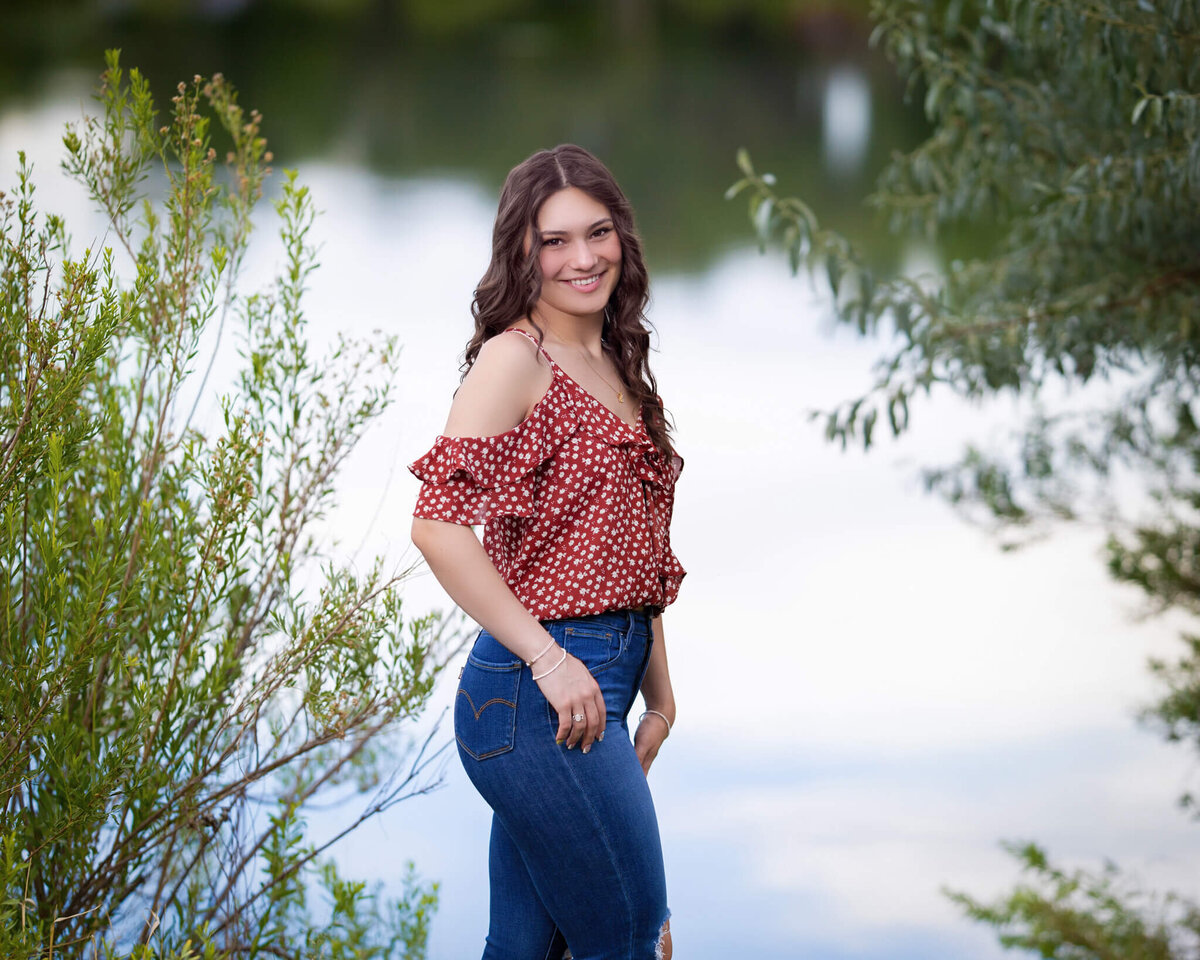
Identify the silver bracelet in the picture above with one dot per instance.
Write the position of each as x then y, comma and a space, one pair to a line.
657, 714
538, 676
545, 650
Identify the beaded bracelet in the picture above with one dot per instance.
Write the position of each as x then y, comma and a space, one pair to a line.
545, 650
538, 676
657, 714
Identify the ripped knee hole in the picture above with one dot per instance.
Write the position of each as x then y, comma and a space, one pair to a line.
662, 950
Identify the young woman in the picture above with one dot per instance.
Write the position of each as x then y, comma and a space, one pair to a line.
557, 443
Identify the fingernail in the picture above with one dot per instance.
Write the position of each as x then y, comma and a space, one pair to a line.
600, 735
570, 746
587, 748
559, 742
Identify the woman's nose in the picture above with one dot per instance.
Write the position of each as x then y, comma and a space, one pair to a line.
583, 257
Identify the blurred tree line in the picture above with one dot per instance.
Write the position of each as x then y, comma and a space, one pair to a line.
436, 18
186, 671
1074, 128
664, 103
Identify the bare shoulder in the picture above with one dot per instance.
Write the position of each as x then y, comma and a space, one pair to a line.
506, 380
505, 350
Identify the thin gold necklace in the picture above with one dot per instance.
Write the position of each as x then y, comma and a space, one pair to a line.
620, 394
608, 383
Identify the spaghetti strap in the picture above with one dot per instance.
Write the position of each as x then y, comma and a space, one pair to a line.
530, 336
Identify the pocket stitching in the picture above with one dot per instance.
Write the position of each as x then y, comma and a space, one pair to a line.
483, 756
507, 703
488, 665
590, 634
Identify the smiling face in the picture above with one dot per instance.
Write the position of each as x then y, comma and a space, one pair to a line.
580, 256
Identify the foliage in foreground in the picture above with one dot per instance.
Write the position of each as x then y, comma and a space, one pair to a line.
184, 672
1074, 129
1085, 915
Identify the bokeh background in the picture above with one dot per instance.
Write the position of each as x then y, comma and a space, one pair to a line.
871, 693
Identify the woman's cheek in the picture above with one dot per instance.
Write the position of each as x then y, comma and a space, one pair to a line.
548, 262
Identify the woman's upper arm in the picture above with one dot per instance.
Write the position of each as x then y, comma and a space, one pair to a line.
506, 380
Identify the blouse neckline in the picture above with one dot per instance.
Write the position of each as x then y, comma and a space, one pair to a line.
635, 427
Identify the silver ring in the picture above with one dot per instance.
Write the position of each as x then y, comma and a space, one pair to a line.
578, 717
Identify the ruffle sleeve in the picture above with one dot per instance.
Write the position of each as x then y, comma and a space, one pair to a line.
471, 479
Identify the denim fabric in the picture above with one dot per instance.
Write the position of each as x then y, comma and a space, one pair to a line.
575, 857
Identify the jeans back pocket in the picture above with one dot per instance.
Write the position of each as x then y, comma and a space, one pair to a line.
485, 707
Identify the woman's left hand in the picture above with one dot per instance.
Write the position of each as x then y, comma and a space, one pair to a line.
651, 732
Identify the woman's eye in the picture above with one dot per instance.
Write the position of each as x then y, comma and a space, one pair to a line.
550, 241
602, 232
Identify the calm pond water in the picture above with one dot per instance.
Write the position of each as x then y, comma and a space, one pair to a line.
870, 694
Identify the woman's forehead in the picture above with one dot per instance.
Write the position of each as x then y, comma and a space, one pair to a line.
570, 209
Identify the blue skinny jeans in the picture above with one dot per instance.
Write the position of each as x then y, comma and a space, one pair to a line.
575, 858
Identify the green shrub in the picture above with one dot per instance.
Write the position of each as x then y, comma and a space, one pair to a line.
184, 671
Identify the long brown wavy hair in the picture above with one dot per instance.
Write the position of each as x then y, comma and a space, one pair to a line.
512, 283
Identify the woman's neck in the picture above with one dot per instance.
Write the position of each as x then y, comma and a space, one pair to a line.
580, 333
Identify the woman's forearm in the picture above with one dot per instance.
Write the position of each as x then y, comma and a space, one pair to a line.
656, 685
467, 574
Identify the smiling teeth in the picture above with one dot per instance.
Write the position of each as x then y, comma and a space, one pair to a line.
586, 281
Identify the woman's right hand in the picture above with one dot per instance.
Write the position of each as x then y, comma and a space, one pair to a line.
463, 568
572, 690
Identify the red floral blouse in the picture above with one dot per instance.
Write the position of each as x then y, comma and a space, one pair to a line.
576, 504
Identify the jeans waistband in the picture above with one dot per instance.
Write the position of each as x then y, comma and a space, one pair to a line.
626, 621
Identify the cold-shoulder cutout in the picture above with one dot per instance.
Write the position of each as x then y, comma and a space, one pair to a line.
506, 381
469, 479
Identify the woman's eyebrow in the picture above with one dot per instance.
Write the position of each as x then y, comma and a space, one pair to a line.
602, 220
